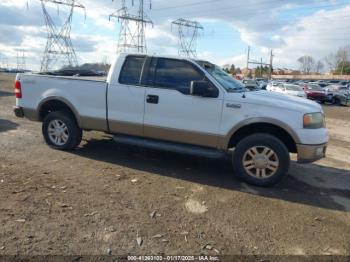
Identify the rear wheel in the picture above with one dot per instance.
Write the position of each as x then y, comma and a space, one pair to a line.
332, 100
261, 160
61, 131
337, 101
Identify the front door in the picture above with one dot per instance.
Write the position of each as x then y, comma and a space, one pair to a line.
171, 113
126, 99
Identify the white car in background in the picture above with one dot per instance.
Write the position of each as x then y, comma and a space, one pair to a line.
290, 89
272, 85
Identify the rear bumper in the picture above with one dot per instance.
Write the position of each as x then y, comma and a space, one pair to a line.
317, 98
25, 112
18, 111
311, 153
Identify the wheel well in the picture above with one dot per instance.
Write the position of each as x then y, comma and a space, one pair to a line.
266, 128
54, 105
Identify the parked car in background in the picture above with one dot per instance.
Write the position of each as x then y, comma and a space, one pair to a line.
321, 83
315, 92
272, 85
289, 89
250, 84
330, 91
262, 84
342, 96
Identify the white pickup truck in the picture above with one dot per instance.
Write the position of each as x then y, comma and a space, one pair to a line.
180, 105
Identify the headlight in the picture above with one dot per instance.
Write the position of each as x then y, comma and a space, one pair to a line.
314, 121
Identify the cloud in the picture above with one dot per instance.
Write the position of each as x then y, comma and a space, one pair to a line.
322, 33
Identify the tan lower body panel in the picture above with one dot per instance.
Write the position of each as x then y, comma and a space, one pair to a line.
181, 136
126, 128
92, 123
163, 133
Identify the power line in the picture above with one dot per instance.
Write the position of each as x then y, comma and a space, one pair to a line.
200, 3
243, 12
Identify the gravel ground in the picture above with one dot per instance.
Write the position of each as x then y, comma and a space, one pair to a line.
106, 198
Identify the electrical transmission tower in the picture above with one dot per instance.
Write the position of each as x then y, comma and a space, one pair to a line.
59, 49
132, 28
188, 34
21, 62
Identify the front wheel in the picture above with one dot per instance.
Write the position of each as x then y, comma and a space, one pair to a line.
261, 160
61, 131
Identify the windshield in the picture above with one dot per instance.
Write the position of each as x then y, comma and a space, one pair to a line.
225, 80
293, 87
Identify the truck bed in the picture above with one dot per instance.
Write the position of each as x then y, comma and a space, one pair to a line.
86, 96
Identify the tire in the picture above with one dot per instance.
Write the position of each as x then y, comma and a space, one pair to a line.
337, 102
275, 166
70, 134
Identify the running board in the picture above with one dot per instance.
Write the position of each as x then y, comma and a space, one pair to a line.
169, 146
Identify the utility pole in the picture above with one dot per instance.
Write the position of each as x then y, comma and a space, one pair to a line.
249, 61
188, 34
261, 68
23, 62
130, 39
271, 61
248, 57
18, 63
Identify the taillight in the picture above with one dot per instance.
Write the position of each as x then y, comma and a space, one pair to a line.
18, 89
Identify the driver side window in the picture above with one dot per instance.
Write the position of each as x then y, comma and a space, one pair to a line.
176, 74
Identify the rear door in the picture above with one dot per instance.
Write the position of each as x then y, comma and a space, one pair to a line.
126, 98
171, 113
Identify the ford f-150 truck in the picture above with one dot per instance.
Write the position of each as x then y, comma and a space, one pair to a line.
179, 105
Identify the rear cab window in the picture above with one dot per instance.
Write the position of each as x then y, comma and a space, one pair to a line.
131, 70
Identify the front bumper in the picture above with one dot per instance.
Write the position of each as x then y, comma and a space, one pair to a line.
311, 153
18, 111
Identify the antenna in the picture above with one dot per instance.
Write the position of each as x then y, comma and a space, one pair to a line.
188, 34
129, 38
59, 49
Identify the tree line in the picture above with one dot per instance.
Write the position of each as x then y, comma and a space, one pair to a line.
338, 63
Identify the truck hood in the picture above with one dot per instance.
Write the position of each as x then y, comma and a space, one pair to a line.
274, 99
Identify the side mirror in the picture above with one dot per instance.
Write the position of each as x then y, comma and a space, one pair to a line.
203, 88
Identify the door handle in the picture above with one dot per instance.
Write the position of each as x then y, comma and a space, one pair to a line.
152, 99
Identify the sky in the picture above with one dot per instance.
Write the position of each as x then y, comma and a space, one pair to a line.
291, 28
